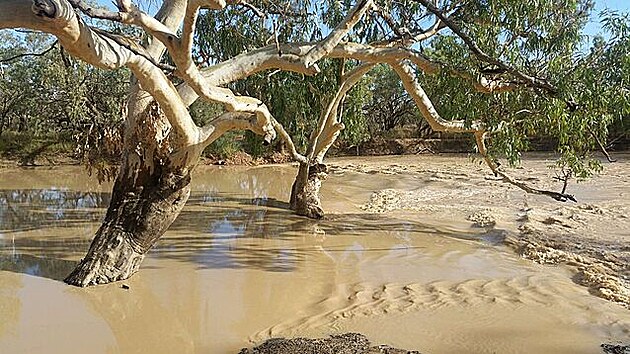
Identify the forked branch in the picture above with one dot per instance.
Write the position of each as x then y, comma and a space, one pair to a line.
329, 126
326, 45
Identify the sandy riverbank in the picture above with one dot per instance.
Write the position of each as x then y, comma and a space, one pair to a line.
591, 236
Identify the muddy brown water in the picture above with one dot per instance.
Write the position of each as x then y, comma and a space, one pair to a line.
237, 268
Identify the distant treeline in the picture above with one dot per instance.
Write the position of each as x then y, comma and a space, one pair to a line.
51, 103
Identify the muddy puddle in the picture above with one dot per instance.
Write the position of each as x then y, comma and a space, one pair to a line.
237, 267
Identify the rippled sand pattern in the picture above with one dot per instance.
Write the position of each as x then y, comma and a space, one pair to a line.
591, 236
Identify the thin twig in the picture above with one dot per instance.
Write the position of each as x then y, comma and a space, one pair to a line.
95, 12
52, 46
254, 9
602, 148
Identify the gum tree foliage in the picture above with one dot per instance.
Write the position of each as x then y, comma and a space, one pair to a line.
544, 39
591, 85
498, 70
47, 96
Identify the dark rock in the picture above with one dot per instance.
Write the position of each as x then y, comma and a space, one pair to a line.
616, 349
347, 343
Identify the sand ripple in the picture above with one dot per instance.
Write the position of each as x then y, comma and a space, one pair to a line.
367, 300
590, 237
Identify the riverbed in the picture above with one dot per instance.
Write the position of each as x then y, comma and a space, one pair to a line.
424, 252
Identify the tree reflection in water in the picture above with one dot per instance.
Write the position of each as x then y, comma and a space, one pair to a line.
28, 209
232, 220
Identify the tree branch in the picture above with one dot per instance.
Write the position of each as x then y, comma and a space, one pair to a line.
287, 140
437, 123
481, 145
424, 104
59, 18
134, 47
481, 55
601, 146
329, 127
180, 50
327, 44
94, 12
226, 122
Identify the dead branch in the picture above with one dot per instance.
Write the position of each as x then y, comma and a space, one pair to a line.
601, 146
481, 146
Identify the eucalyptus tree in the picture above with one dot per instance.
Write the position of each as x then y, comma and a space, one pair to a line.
161, 142
499, 69
517, 59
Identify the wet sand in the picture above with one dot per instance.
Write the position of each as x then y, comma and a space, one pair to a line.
592, 236
418, 252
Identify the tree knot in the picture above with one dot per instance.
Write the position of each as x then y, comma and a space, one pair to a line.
44, 8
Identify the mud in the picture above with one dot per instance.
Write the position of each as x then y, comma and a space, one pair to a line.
435, 268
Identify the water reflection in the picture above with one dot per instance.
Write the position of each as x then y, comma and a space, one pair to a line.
234, 219
28, 209
215, 230
50, 268
240, 233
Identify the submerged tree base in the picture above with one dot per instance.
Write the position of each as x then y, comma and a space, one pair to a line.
305, 198
119, 262
145, 201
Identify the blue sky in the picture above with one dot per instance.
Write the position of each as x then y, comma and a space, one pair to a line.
619, 5
592, 28
613, 4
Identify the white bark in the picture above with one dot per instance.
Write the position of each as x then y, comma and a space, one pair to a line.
181, 53
59, 18
329, 125
104, 50
322, 48
425, 106
437, 123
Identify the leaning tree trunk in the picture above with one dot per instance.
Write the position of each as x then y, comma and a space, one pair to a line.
305, 199
149, 193
144, 204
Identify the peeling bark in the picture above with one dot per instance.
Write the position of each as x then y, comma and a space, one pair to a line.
149, 193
